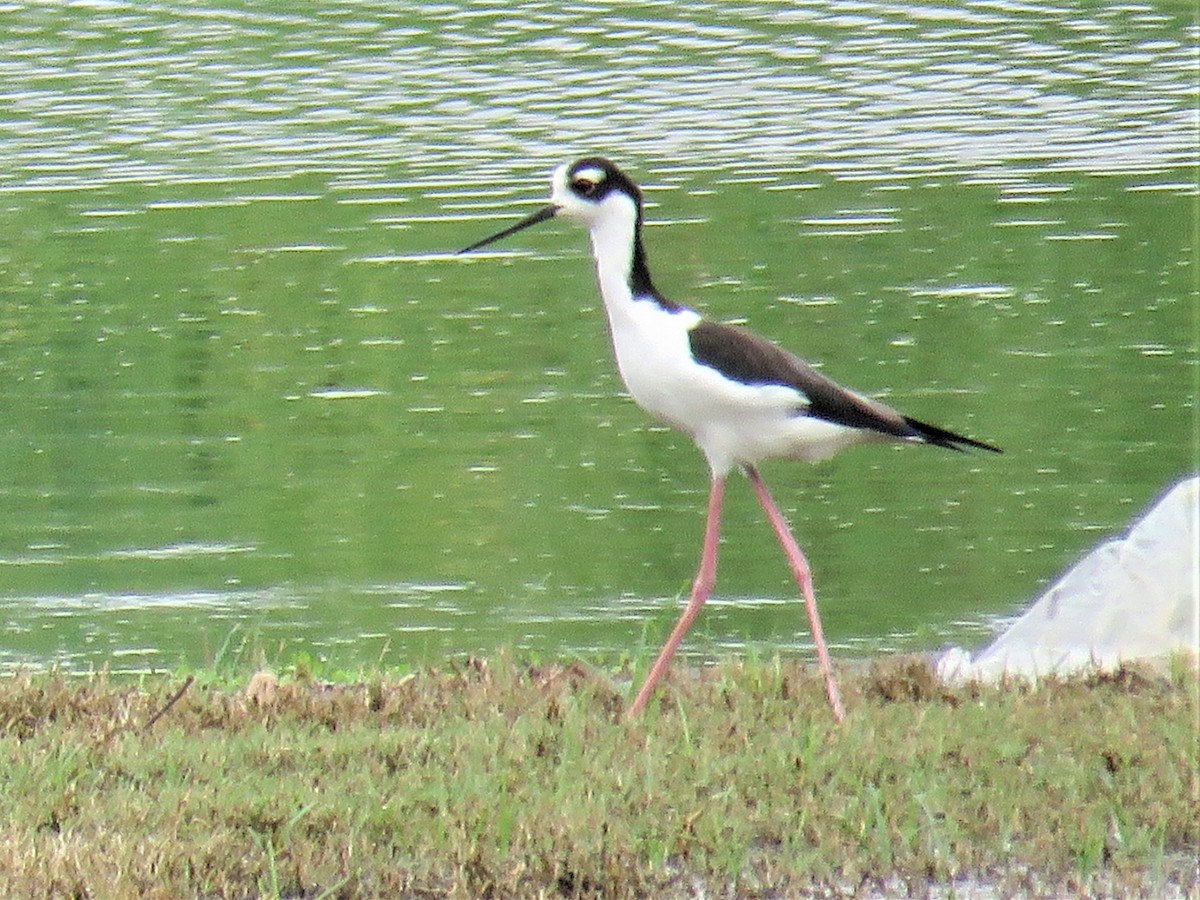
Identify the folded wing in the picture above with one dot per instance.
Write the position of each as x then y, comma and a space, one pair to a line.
745, 357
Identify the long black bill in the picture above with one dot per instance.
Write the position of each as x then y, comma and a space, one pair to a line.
546, 212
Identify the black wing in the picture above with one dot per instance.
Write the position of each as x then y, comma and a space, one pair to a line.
743, 356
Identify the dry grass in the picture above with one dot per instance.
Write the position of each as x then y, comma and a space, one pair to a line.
501, 779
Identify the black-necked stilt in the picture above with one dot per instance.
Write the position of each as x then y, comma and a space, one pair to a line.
742, 398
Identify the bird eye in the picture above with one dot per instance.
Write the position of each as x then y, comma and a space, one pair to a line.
584, 187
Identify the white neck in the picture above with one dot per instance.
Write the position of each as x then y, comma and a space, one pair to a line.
612, 246
612, 235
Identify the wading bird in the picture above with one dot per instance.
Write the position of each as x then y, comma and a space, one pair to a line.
741, 398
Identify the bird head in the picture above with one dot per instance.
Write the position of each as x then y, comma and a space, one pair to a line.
591, 191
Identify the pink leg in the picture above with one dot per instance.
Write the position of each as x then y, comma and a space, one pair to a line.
803, 578
706, 577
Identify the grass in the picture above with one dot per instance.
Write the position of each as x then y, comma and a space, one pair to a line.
504, 779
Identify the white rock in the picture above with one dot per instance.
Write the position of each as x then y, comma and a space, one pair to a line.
1135, 598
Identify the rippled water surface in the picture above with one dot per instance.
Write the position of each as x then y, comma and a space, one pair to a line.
250, 396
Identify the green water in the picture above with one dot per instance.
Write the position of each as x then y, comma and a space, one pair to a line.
248, 393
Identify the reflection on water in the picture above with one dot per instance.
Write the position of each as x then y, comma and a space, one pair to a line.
247, 384
468, 103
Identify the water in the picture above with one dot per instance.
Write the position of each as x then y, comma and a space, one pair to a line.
249, 396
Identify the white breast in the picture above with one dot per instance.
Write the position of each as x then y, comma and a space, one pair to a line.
732, 423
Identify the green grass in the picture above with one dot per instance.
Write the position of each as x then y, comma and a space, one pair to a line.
505, 779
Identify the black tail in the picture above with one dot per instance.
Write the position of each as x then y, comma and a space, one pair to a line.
940, 437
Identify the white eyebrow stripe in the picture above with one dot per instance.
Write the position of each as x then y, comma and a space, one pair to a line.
591, 174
